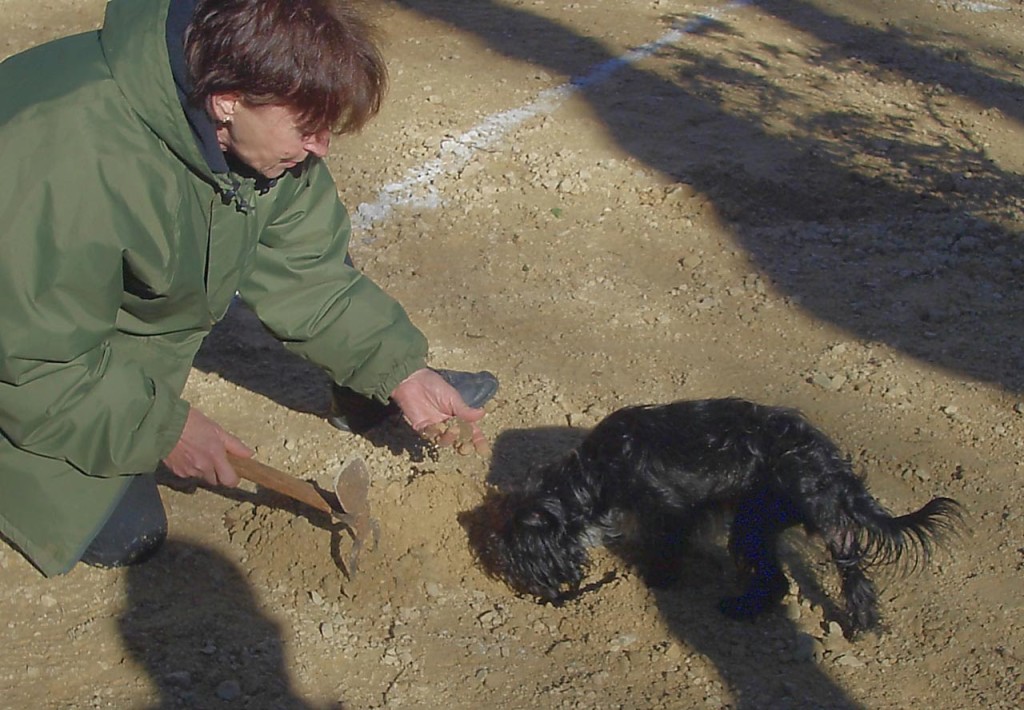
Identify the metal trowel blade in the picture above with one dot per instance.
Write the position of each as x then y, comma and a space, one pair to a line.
352, 487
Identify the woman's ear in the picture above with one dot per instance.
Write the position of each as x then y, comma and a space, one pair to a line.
222, 107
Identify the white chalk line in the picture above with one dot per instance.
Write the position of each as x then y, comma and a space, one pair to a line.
419, 186
994, 6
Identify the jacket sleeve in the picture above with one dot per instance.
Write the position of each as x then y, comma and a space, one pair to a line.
72, 387
320, 307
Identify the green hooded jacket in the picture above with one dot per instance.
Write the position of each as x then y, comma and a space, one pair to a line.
120, 248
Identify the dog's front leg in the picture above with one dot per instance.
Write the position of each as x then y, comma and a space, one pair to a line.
659, 557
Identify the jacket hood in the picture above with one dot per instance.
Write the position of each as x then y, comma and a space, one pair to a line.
134, 39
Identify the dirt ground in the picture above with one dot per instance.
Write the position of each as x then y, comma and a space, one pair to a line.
814, 203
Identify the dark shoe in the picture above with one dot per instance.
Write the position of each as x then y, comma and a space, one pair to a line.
351, 411
135, 530
475, 388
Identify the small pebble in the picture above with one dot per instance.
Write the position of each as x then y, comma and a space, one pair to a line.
621, 642
229, 690
807, 649
178, 679
849, 660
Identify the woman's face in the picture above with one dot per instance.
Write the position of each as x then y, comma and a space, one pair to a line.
266, 138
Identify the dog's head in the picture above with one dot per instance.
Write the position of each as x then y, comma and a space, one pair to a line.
525, 540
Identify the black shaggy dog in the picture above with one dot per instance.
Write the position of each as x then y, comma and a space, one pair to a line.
645, 473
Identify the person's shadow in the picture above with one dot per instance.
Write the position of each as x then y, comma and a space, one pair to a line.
192, 623
767, 662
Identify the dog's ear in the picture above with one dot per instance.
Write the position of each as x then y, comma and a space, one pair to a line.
534, 519
544, 514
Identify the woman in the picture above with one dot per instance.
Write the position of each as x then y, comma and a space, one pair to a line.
154, 169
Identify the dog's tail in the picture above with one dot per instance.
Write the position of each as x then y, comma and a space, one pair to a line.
909, 539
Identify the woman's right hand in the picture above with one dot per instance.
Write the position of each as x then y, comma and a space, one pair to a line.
202, 451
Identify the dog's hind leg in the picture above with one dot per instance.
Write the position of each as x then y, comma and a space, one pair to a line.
857, 588
753, 540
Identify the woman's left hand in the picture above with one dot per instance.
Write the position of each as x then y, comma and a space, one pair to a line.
434, 409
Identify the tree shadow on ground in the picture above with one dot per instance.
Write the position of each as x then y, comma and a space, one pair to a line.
767, 662
870, 226
192, 623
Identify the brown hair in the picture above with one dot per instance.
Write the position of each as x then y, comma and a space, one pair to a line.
318, 57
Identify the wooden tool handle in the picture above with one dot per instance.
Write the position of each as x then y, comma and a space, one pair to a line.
279, 481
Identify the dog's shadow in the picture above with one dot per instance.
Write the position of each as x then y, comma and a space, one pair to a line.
766, 662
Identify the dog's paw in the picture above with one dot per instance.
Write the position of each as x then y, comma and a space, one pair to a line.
660, 578
659, 572
761, 594
744, 607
